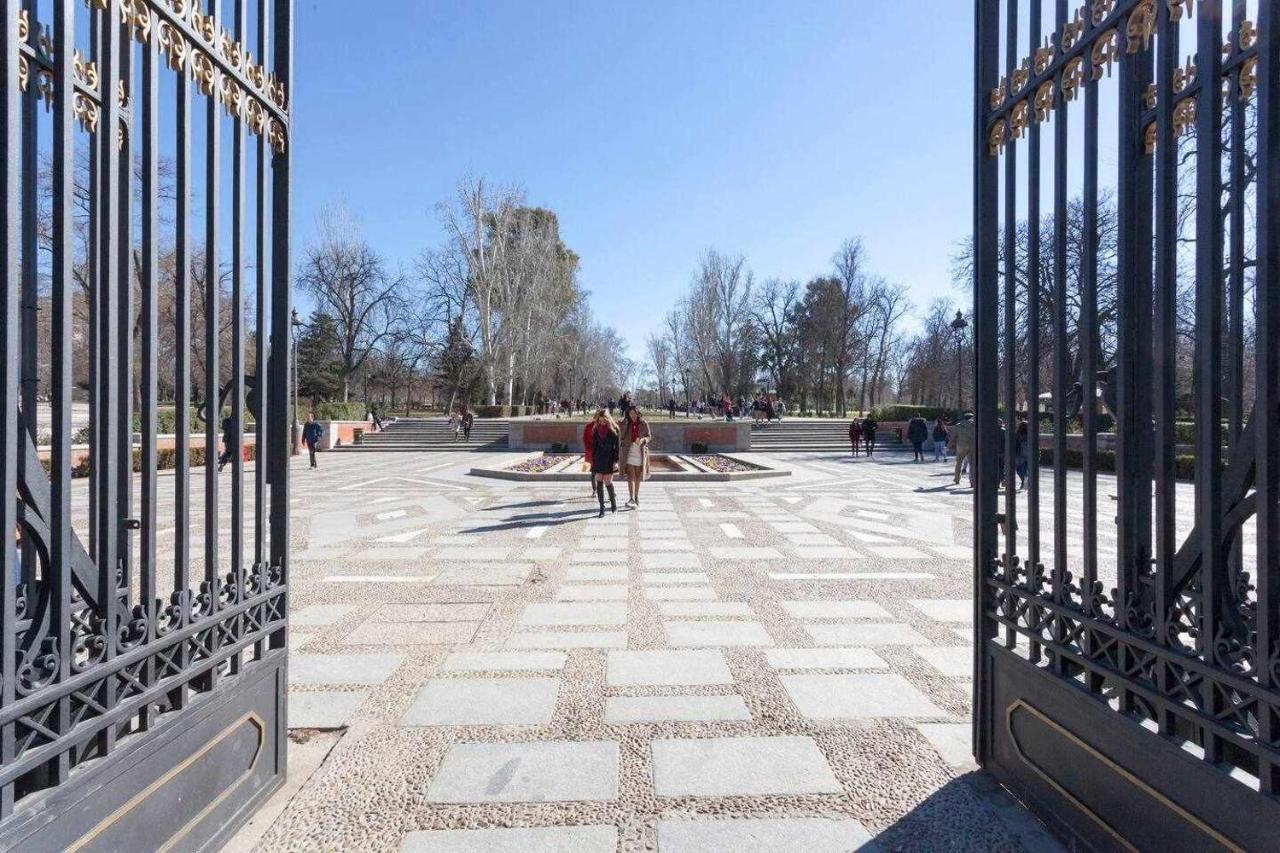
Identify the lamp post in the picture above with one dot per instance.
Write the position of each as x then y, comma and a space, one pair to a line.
959, 325
296, 322
688, 408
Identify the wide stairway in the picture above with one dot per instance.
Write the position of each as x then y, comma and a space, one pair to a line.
433, 434
812, 436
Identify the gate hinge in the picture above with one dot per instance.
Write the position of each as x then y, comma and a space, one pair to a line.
133, 524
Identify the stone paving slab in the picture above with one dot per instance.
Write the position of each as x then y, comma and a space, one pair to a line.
835, 610
484, 702
665, 668
583, 574
866, 634
611, 592
761, 835
741, 766
411, 633
657, 578
527, 772
568, 640
574, 613
551, 839
951, 661
848, 697
503, 661
958, 610
320, 614
705, 608
704, 634
327, 710
680, 593
620, 710
341, 669
453, 611
824, 659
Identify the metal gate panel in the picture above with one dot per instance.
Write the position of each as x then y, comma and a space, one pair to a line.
1127, 670
142, 661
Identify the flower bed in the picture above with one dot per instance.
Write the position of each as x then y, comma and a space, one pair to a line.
545, 462
722, 464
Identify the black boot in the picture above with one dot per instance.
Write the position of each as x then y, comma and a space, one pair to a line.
600, 496
613, 500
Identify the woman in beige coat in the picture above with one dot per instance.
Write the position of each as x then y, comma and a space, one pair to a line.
634, 452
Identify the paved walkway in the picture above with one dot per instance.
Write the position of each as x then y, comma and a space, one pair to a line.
768, 666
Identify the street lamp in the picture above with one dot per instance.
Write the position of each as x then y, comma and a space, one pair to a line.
959, 325
296, 322
688, 408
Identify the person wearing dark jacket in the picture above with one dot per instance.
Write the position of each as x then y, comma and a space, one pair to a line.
869, 427
1021, 453
228, 440
311, 434
855, 435
917, 434
604, 458
939, 440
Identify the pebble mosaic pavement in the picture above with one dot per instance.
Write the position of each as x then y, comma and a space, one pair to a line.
767, 666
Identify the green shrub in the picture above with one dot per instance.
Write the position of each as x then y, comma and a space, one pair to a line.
698, 447
900, 412
339, 411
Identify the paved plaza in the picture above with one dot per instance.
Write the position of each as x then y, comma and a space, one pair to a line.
485, 666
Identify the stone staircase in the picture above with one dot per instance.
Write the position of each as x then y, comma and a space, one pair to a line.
816, 436
431, 434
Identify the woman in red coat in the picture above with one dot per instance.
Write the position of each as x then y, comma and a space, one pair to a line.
586, 453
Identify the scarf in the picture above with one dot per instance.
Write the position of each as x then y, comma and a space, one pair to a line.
635, 430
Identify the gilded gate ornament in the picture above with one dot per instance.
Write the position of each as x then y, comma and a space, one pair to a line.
1178, 7
1044, 101
1072, 78
1018, 80
1184, 116
997, 137
1102, 8
1071, 32
1018, 118
1105, 52
1044, 56
1141, 26
1249, 78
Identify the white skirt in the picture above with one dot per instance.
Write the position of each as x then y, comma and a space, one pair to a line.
634, 456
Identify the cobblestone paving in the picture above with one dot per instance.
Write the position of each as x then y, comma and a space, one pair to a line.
767, 666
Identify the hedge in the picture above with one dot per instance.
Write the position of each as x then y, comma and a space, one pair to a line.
1184, 466
502, 411
900, 412
167, 419
338, 411
166, 460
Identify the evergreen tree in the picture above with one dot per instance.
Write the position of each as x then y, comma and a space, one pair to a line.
319, 359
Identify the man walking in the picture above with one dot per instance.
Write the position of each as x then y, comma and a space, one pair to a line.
311, 434
227, 450
962, 439
917, 434
869, 427
855, 435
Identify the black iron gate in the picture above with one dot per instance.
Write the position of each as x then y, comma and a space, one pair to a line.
1128, 601
142, 626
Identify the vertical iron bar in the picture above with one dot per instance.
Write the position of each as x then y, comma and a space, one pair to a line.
1208, 350
60, 352
237, 342
1010, 557
150, 401
1087, 335
1235, 271
106, 455
30, 259
182, 366
1033, 331
124, 318
212, 342
1165, 343
11, 98
1267, 295
986, 213
261, 450
1060, 351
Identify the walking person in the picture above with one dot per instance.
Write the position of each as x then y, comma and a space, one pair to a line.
939, 440
869, 427
311, 434
917, 434
468, 421
671, 407
227, 450
1021, 453
586, 454
634, 452
962, 439
855, 435
455, 424
604, 458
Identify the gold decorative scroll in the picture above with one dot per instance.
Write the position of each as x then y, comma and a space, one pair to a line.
1105, 52
1178, 7
1044, 56
997, 137
1184, 76
1102, 8
1141, 26
1184, 116
1044, 101
1071, 32
1149, 138
1247, 37
1019, 118
1151, 96
1072, 78
997, 97
1018, 79
1249, 78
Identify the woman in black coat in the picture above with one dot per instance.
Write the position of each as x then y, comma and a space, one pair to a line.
604, 457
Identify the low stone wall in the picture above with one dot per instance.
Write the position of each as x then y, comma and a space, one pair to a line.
668, 436
337, 433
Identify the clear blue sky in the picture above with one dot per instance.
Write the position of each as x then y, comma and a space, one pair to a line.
654, 130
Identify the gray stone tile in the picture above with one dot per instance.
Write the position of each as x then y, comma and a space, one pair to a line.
835, 610
897, 552
659, 578
703, 634
568, 640
954, 742
813, 539
484, 702
599, 557
472, 552
593, 592
548, 839
951, 661
411, 633
320, 614
450, 611
741, 766
537, 772
761, 835
705, 608
510, 574
541, 554
827, 552
825, 659
574, 613
679, 593
665, 668
671, 561
868, 634
328, 710
503, 661
958, 610
650, 545
744, 552
845, 697
595, 573
341, 669
620, 710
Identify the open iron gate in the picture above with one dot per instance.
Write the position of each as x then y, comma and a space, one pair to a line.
1127, 627
142, 625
